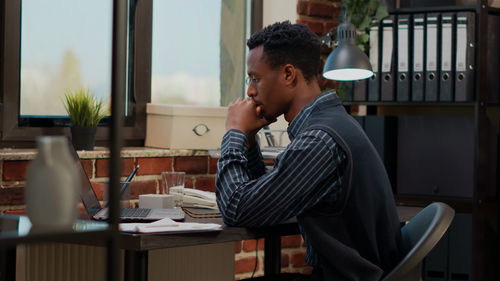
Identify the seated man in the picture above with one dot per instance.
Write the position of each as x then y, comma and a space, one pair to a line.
330, 176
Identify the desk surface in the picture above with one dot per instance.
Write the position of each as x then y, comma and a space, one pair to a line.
142, 242
15, 230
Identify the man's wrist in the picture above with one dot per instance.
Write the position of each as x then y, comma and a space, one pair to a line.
234, 139
252, 140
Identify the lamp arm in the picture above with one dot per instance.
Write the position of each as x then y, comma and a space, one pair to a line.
343, 9
327, 39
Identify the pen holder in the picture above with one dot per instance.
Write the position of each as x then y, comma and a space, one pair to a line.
124, 194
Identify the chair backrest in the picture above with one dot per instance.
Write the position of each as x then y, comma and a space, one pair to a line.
419, 236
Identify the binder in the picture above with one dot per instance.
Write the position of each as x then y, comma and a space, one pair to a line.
387, 72
403, 79
359, 90
493, 55
374, 81
431, 57
446, 83
348, 90
464, 66
417, 83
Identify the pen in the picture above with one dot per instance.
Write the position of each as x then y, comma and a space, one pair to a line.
129, 178
124, 185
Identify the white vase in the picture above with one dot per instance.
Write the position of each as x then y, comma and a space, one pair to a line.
52, 186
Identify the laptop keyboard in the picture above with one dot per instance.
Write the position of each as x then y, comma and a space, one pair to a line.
134, 212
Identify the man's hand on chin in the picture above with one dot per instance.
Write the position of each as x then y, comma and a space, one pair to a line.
244, 115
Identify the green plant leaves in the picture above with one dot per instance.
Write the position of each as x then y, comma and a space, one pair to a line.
360, 13
83, 108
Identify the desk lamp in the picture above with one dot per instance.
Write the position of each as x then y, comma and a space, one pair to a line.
346, 62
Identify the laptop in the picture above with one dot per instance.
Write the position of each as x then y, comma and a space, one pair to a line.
96, 212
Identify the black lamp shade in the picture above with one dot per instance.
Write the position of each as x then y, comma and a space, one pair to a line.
347, 62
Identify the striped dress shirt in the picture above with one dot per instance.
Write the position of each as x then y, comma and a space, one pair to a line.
250, 195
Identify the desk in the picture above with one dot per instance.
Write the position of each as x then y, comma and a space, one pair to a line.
15, 230
136, 246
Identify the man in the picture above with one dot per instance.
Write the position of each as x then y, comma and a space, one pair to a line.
330, 176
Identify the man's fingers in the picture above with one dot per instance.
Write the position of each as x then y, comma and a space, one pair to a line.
258, 111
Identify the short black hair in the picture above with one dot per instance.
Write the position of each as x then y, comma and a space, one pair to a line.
284, 43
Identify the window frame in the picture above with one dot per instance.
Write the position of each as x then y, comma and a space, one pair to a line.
141, 11
14, 134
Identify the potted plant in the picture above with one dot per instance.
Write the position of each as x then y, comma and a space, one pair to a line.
85, 112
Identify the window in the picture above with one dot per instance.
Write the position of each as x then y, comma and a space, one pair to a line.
67, 43
43, 55
69, 49
185, 61
198, 51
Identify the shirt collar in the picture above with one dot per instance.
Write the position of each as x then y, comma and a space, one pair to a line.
298, 122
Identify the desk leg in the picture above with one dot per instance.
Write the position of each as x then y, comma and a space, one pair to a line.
272, 255
7, 264
136, 265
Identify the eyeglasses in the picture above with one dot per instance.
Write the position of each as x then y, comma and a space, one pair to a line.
251, 79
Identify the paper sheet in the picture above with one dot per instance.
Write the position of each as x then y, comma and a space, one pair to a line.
169, 226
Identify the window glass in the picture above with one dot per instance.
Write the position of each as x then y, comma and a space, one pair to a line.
186, 52
64, 44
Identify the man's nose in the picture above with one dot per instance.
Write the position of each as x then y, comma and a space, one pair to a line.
251, 91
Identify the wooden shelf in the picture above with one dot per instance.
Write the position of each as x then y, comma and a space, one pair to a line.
440, 9
396, 103
461, 205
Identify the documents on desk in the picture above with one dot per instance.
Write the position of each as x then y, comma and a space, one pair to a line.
169, 226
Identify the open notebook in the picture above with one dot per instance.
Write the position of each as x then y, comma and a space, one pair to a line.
95, 211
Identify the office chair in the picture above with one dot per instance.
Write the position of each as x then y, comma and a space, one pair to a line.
419, 236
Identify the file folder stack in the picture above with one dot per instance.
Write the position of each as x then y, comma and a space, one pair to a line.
423, 57
464, 75
417, 88
431, 58
374, 81
446, 84
387, 78
403, 88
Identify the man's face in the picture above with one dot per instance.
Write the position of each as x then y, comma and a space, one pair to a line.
265, 86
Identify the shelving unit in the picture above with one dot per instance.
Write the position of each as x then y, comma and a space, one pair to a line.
108, 236
482, 206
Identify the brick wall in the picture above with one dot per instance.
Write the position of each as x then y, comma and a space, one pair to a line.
200, 174
320, 16
293, 252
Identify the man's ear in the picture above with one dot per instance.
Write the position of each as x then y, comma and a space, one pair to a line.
290, 75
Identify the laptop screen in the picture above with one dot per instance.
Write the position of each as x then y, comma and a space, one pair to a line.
87, 194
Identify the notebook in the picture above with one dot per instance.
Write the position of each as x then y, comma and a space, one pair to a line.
96, 212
